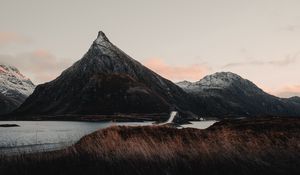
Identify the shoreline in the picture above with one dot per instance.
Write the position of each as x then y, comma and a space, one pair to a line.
90, 118
246, 146
45, 144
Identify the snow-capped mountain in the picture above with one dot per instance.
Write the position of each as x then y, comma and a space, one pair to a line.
219, 80
184, 84
14, 87
106, 81
294, 99
226, 94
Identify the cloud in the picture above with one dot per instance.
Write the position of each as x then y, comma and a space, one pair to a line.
237, 64
40, 65
11, 37
178, 72
288, 60
289, 91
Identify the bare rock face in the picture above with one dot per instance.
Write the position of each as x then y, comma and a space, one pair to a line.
14, 88
106, 81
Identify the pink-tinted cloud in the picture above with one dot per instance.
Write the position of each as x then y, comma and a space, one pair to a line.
284, 91
40, 65
267, 89
41, 53
10, 37
289, 91
192, 72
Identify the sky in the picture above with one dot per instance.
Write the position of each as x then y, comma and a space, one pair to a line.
181, 40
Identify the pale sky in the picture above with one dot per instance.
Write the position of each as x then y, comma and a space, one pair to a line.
187, 39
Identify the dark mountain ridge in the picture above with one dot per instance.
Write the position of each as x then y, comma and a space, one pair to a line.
106, 81
294, 99
225, 94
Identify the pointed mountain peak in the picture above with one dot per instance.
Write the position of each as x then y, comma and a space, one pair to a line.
101, 38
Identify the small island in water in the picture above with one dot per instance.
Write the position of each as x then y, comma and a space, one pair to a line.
9, 125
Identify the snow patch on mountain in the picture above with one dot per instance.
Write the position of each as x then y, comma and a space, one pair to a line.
13, 83
219, 80
184, 84
104, 57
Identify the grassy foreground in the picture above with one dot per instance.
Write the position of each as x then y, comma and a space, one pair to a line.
249, 146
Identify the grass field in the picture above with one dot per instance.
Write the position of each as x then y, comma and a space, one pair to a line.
248, 146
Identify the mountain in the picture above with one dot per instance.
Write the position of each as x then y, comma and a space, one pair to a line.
184, 84
294, 99
7, 104
14, 88
106, 81
226, 94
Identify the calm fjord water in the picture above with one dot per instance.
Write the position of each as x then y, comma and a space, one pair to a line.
33, 136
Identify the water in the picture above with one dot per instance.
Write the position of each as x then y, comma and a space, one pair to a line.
199, 124
34, 136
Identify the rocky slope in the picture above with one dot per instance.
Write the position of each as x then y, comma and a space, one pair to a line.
294, 99
14, 88
106, 81
226, 94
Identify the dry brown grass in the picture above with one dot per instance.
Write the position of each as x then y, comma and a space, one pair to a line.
260, 146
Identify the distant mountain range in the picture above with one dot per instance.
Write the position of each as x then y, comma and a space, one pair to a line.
226, 94
106, 81
14, 88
